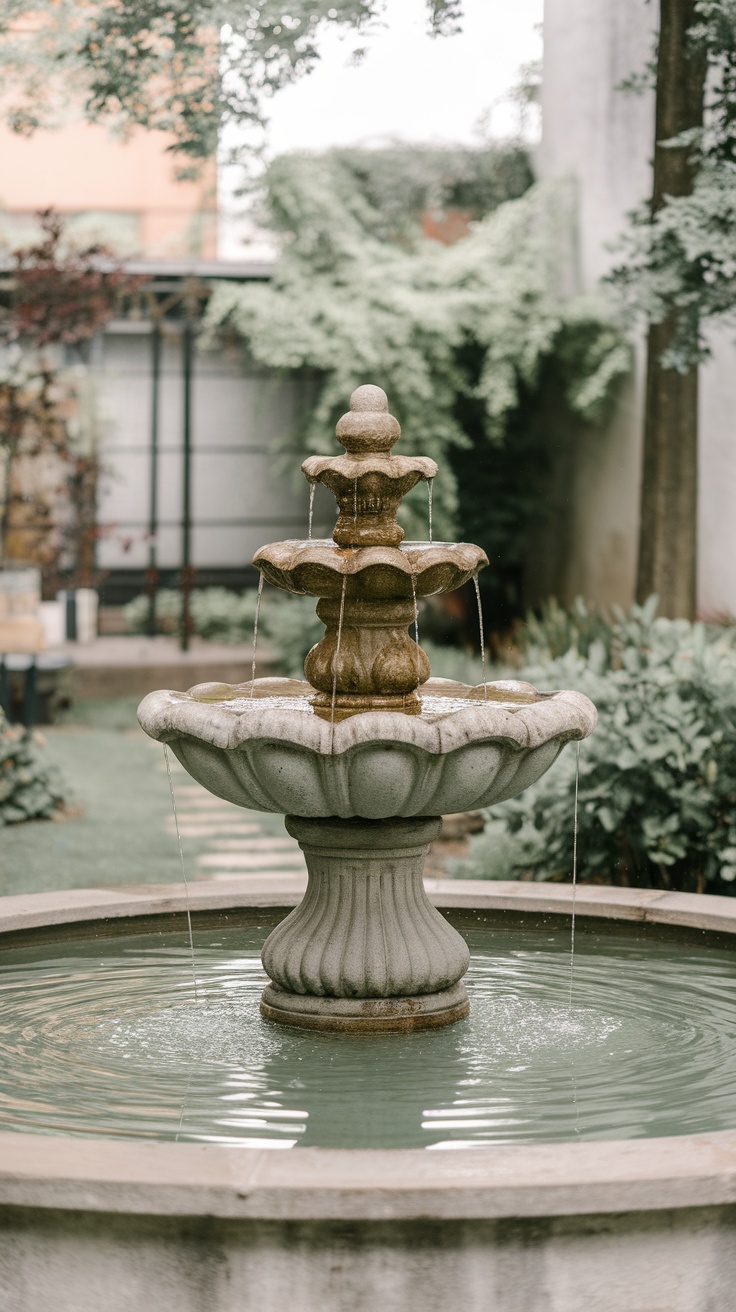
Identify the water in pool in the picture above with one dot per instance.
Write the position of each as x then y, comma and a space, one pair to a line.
104, 1038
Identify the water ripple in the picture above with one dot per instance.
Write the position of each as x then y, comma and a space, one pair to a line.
107, 1040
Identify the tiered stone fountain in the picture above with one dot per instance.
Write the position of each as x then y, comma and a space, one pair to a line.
366, 757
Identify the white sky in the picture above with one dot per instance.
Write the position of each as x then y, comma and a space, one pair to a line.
409, 87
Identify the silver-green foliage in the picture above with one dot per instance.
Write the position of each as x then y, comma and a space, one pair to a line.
657, 800
30, 787
347, 308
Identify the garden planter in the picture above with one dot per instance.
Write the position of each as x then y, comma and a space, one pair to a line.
21, 629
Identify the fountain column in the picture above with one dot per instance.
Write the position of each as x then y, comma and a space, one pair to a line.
365, 950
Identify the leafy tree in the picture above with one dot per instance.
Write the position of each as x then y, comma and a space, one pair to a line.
56, 297
680, 275
458, 335
186, 67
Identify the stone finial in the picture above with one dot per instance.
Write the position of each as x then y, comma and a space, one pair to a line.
369, 397
368, 428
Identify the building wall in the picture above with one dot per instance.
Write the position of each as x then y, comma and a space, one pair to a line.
125, 188
602, 137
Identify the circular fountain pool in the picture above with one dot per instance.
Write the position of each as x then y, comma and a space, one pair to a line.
104, 1038
104, 1056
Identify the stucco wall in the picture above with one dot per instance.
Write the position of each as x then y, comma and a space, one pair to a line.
128, 190
603, 138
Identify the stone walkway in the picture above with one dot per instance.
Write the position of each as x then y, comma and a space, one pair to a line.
237, 844
120, 830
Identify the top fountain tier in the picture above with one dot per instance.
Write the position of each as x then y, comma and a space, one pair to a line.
369, 482
367, 580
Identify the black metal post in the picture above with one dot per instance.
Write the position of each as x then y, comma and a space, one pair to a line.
152, 572
4, 688
71, 614
30, 695
186, 512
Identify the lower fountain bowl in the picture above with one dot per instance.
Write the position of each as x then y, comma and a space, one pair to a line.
273, 753
619, 1225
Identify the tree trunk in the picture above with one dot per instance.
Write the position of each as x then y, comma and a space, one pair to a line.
668, 527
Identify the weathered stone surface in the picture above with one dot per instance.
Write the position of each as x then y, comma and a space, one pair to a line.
368, 491
368, 483
375, 657
368, 656
376, 589
423, 1011
368, 427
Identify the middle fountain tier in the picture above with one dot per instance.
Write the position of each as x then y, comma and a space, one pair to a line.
367, 755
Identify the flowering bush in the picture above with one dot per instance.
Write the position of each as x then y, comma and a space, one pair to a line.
30, 788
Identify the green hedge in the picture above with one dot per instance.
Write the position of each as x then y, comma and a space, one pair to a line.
288, 624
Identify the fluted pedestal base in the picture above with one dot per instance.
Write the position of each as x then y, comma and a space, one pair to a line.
365, 950
365, 1015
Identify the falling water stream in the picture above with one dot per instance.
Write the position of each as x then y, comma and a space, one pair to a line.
430, 485
416, 626
183, 869
482, 638
255, 633
312, 490
355, 500
337, 657
574, 864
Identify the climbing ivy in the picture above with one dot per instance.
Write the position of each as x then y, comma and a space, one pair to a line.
459, 336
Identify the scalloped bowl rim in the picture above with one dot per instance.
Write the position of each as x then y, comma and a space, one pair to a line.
167, 714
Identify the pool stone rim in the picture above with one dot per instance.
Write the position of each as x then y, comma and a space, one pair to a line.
494, 1181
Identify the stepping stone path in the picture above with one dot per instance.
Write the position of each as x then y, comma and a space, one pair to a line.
236, 842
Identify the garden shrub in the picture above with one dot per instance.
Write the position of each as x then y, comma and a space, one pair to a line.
30, 788
556, 630
291, 627
217, 613
287, 623
657, 794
